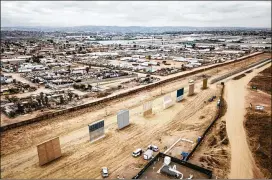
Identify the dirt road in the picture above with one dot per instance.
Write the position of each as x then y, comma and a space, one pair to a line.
242, 163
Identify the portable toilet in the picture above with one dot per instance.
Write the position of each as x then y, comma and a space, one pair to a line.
167, 160
184, 155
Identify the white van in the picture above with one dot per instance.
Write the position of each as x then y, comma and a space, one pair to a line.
153, 148
137, 152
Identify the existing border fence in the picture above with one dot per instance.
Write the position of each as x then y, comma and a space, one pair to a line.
112, 97
210, 126
239, 70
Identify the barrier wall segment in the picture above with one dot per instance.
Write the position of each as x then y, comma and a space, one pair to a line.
49, 151
123, 118
96, 130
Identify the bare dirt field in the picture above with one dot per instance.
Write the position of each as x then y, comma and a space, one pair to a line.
258, 123
263, 80
242, 162
82, 159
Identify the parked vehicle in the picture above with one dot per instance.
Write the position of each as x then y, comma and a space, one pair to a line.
153, 148
148, 154
212, 98
137, 152
104, 172
191, 81
218, 103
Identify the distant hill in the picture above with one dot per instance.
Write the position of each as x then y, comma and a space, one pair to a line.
125, 29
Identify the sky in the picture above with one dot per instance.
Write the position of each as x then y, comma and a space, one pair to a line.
136, 13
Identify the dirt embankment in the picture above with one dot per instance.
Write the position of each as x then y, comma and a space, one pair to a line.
214, 152
263, 80
258, 123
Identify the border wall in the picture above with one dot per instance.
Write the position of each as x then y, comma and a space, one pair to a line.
109, 98
218, 115
239, 70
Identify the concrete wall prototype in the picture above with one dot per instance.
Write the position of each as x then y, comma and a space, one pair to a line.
147, 108
167, 101
129, 92
123, 118
49, 151
180, 94
205, 83
191, 89
96, 130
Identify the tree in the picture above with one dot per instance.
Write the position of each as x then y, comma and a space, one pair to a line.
20, 108
61, 100
193, 46
76, 86
39, 101
69, 69
46, 100
90, 86
87, 69
80, 49
70, 95
2, 50
36, 59
42, 97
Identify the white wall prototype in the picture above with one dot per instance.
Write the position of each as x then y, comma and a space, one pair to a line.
122, 118
167, 101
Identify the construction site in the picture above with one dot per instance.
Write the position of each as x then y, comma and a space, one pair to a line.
196, 118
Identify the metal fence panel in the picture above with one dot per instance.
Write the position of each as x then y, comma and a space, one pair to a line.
96, 130
122, 119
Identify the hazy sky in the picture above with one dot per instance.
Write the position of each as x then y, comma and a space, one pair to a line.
136, 13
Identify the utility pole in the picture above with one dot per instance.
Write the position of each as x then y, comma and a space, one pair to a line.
161, 89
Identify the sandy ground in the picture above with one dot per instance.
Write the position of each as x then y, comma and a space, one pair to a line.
258, 123
242, 162
82, 159
214, 152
